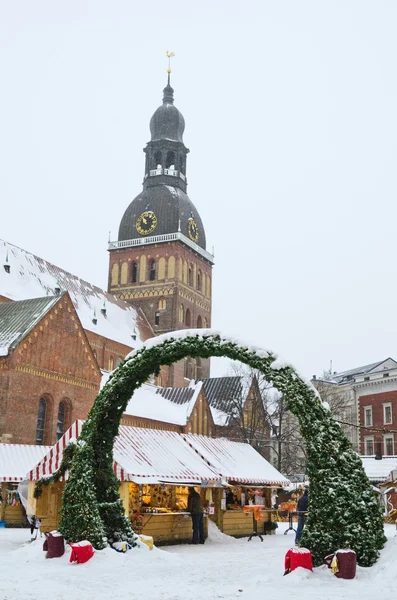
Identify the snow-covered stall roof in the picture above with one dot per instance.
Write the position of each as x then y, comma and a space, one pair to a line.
17, 459
171, 405
379, 470
140, 455
34, 277
235, 461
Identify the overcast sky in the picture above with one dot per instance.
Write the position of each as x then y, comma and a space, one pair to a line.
290, 110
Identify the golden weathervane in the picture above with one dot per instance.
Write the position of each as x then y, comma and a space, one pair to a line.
170, 55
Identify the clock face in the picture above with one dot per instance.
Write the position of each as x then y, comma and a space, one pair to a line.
146, 223
193, 230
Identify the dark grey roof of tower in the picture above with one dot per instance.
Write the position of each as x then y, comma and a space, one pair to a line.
167, 123
172, 207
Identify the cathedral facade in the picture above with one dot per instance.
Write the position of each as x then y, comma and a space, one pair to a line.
160, 263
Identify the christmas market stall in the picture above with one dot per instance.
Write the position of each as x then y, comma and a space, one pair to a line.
155, 469
251, 481
15, 461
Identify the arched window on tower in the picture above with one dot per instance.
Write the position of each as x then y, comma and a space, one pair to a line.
170, 160
188, 320
190, 275
60, 421
199, 322
152, 270
182, 164
181, 313
111, 363
157, 319
41, 414
205, 323
134, 272
162, 304
199, 280
158, 160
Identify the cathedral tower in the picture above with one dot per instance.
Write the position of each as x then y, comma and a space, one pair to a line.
160, 263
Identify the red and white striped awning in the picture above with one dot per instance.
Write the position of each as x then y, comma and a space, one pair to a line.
235, 461
17, 459
140, 455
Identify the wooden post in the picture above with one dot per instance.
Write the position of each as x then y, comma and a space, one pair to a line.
3, 504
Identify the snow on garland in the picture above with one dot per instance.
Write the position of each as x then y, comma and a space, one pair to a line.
343, 509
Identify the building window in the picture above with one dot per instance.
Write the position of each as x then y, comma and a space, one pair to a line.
199, 281
368, 416
41, 422
181, 313
170, 160
134, 272
190, 275
199, 322
188, 319
366, 378
162, 304
158, 159
369, 446
189, 368
389, 445
111, 363
157, 319
199, 369
60, 421
118, 362
152, 270
385, 374
387, 414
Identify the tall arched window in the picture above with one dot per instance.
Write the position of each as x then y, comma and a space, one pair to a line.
170, 160
134, 272
60, 421
188, 319
190, 275
205, 323
158, 159
111, 363
199, 368
152, 270
157, 319
41, 422
162, 303
199, 280
189, 368
181, 313
199, 322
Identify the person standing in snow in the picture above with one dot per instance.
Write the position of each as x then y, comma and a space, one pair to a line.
303, 504
195, 507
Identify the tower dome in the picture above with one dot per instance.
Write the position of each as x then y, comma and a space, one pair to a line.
167, 123
163, 207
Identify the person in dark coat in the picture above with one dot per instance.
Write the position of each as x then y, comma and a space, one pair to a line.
195, 508
303, 504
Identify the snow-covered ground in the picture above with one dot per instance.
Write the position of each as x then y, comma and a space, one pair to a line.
222, 568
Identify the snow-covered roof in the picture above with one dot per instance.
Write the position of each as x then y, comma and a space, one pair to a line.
235, 461
17, 459
171, 405
18, 318
220, 418
379, 470
140, 455
158, 455
34, 277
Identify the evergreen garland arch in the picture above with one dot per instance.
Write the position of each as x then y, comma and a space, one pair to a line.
343, 509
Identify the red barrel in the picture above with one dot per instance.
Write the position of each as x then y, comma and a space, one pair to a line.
298, 557
345, 563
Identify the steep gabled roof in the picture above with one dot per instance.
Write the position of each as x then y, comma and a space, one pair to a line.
224, 395
18, 318
33, 277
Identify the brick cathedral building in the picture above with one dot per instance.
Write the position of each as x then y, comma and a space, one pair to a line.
159, 262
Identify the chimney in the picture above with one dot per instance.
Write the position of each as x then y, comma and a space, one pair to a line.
314, 378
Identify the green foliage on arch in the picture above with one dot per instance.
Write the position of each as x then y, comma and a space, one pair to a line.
344, 512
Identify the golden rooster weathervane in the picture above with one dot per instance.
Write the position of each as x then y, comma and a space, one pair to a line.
170, 55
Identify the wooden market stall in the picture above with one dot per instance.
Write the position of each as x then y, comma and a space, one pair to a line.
249, 480
15, 462
155, 469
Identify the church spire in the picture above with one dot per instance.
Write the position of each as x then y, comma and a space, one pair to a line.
168, 97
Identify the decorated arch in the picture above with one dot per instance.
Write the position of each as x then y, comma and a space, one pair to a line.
343, 509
